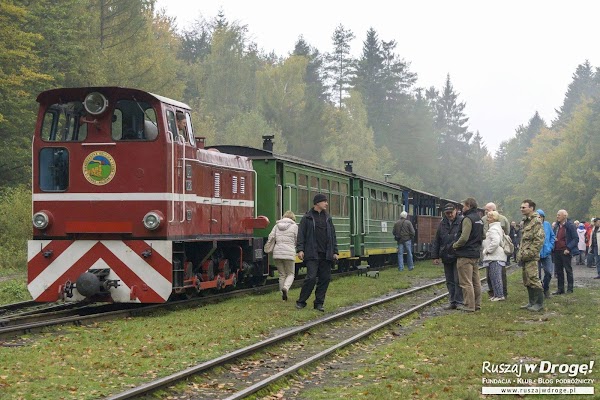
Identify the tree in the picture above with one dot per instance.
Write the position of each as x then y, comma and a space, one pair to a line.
228, 74
453, 147
340, 67
306, 141
281, 91
584, 85
122, 20
348, 137
20, 79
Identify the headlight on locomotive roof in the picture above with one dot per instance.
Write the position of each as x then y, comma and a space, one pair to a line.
95, 103
152, 220
41, 219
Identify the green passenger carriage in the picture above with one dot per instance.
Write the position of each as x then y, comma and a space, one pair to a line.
363, 210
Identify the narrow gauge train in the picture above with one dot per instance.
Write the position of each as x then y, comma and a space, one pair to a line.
128, 205
363, 210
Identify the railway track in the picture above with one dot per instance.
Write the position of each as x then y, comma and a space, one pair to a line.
291, 353
34, 317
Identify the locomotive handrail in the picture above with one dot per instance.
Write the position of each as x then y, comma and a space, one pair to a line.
183, 176
172, 177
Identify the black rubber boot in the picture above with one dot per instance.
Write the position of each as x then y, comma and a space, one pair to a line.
531, 300
539, 301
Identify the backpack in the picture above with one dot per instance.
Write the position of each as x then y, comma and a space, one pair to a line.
507, 245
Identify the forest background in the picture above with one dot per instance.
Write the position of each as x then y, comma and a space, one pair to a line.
323, 106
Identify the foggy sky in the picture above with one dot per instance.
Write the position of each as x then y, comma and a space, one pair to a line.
506, 59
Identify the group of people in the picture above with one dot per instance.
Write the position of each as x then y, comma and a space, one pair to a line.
314, 241
462, 241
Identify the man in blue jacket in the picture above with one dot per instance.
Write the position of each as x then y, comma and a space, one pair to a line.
565, 247
545, 262
317, 247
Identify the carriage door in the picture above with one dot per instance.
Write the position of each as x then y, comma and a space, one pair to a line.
357, 217
176, 210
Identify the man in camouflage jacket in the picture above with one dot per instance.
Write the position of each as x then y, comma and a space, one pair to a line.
532, 241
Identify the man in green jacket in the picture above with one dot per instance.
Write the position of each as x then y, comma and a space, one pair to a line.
532, 241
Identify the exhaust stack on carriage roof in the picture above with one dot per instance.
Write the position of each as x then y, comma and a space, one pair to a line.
268, 143
348, 167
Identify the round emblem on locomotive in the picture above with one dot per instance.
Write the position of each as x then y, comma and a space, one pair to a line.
99, 168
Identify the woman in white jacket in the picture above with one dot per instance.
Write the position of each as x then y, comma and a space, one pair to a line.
493, 254
285, 233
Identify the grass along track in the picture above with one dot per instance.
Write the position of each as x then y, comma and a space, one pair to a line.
278, 339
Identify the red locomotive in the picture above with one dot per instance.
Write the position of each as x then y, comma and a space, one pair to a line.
129, 207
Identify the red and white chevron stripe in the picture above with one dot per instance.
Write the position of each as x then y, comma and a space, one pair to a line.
148, 279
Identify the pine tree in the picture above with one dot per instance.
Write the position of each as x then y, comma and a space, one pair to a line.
583, 85
340, 67
454, 137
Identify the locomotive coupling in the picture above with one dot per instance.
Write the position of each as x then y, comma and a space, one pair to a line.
94, 281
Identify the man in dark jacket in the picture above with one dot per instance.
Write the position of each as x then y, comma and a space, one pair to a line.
467, 249
565, 247
444, 237
317, 247
404, 233
515, 236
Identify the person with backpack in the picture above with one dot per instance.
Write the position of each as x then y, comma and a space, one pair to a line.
494, 257
506, 229
284, 235
545, 262
404, 233
467, 249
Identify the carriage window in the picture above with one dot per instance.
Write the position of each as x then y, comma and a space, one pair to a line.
314, 182
290, 177
54, 169
64, 122
334, 204
302, 180
302, 199
344, 188
134, 120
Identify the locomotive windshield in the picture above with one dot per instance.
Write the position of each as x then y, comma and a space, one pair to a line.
133, 120
63, 122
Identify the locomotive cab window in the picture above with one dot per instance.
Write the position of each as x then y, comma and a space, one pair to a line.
64, 122
134, 120
54, 169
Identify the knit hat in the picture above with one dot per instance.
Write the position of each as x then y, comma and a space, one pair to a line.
449, 207
319, 197
541, 212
